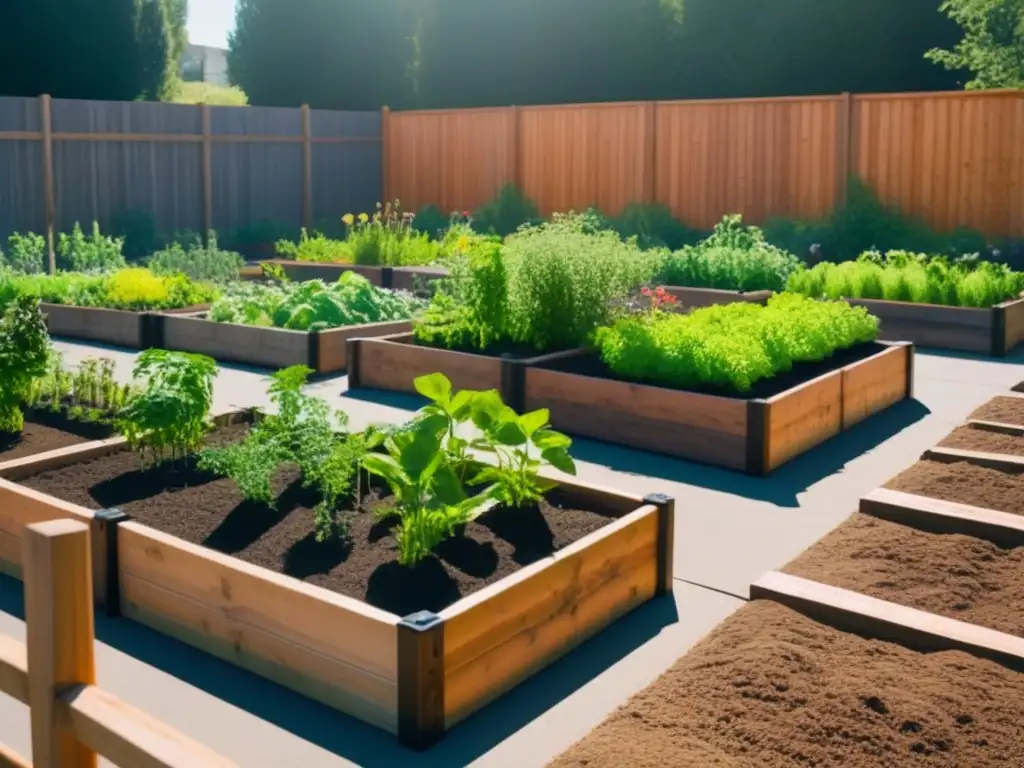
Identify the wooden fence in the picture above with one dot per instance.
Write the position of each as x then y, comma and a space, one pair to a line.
190, 167
949, 158
73, 720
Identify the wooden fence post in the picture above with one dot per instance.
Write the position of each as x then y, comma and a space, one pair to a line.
650, 178
46, 122
60, 635
514, 147
385, 166
844, 147
307, 169
207, 175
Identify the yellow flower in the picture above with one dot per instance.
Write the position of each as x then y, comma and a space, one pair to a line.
462, 243
348, 219
363, 218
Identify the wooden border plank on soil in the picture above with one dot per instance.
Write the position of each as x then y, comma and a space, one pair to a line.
1000, 461
949, 517
323, 351
329, 647
1014, 430
696, 298
871, 617
16, 469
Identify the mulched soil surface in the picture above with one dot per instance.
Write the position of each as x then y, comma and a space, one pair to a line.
592, 365
770, 687
965, 484
36, 438
1007, 410
211, 512
960, 577
975, 439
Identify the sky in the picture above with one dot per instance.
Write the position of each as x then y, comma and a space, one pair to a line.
210, 21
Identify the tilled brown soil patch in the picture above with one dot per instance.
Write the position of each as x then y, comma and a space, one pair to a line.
964, 483
210, 511
1006, 410
770, 687
976, 439
960, 577
35, 438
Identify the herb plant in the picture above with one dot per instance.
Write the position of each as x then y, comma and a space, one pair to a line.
732, 346
388, 239
197, 262
315, 247
90, 394
734, 258
903, 276
96, 253
25, 253
169, 415
24, 352
302, 432
312, 305
135, 289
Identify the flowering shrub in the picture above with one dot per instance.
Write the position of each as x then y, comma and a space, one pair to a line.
732, 346
659, 297
903, 276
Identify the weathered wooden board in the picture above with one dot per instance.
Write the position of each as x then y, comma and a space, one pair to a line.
874, 384
1000, 461
871, 617
332, 648
681, 424
228, 342
333, 343
804, 417
393, 362
1013, 324
501, 635
929, 325
16, 469
106, 326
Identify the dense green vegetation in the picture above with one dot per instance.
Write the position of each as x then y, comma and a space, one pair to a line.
732, 346
919, 278
132, 289
312, 305
197, 261
24, 352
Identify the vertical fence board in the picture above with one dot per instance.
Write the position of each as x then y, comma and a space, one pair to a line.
22, 204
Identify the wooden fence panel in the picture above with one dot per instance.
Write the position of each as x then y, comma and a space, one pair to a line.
22, 206
576, 156
453, 159
761, 158
950, 159
347, 177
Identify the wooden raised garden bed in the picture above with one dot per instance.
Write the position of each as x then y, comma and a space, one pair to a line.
398, 278
755, 435
414, 673
695, 298
52, 440
121, 328
393, 362
323, 351
995, 331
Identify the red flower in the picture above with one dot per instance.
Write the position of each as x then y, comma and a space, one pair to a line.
466, 214
646, 291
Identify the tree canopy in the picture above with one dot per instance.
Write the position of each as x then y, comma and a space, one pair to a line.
91, 49
992, 48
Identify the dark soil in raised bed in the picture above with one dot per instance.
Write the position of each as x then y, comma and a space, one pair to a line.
975, 439
1006, 410
36, 438
771, 688
960, 577
964, 483
210, 511
592, 365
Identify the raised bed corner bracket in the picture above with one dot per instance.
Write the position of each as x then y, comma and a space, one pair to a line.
421, 721
666, 540
106, 522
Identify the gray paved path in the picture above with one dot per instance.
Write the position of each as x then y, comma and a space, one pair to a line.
730, 529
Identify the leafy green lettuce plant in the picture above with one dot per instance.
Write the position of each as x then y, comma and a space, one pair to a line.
169, 415
24, 352
732, 346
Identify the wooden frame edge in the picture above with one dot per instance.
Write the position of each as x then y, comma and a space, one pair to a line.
870, 617
421, 677
1014, 430
943, 517
17, 469
1000, 461
758, 432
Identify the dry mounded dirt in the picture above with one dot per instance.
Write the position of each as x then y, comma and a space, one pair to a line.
1006, 410
772, 688
960, 577
210, 511
964, 483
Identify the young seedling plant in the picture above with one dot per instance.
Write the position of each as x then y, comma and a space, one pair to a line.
426, 462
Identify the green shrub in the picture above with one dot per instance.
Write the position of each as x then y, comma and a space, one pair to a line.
564, 282
198, 262
388, 239
506, 213
653, 226
732, 346
25, 253
134, 289
431, 222
96, 253
918, 278
312, 305
24, 354
137, 230
315, 248
734, 258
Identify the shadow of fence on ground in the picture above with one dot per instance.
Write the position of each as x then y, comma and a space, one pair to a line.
356, 741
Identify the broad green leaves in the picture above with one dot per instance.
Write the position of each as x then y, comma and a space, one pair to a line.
24, 352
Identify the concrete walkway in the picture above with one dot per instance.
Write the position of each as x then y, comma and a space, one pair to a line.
729, 530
